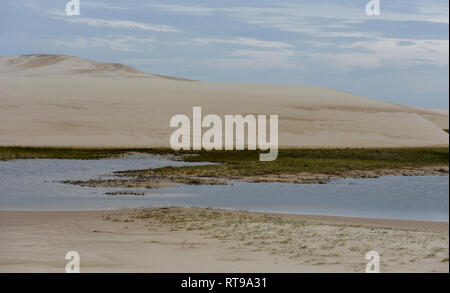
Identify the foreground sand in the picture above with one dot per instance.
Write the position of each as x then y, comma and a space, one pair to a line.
207, 240
53, 100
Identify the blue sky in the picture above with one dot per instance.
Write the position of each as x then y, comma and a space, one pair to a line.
400, 56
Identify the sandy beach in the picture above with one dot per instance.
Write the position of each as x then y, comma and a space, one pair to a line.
207, 240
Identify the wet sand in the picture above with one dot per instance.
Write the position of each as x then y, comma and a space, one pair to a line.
208, 240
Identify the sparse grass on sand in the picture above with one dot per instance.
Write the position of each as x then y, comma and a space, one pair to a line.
339, 247
175, 239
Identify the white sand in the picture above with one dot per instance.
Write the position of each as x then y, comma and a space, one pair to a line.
68, 101
206, 240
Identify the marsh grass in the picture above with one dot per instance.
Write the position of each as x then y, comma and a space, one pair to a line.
14, 153
315, 161
246, 163
19, 152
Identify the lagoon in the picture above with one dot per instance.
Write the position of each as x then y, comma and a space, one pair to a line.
35, 185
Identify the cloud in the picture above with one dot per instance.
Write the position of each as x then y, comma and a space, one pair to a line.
405, 43
242, 42
258, 60
380, 52
434, 52
263, 55
118, 24
27, 3
103, 5
323, 19
121, 43
189, 10
285, 14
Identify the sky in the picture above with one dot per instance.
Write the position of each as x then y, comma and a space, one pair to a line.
400, 56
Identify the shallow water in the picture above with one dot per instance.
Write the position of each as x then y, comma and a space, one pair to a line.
33, 185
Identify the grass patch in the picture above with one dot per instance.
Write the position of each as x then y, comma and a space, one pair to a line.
14, 153
246, 163
323, 161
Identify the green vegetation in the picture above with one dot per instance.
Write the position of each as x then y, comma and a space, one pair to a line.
421, 156
14, 153
333, 162
323, 161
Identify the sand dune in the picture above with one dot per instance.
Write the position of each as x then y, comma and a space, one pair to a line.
53, 100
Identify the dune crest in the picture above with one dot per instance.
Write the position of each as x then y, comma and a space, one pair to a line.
47, 65
56, 100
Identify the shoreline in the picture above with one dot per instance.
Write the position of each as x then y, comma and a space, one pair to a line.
210, 240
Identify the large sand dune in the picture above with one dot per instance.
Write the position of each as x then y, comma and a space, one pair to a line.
53, 100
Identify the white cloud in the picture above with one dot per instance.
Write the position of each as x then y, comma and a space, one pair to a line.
103, 5
27, 3
121, 43
242, 42
126, 24
268, 55
286, 15
190, 10
258, 60
382, 51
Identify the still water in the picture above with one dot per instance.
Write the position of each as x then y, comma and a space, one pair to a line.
33, 185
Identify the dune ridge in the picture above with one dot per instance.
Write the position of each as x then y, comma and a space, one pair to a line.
57, 100
51, 65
